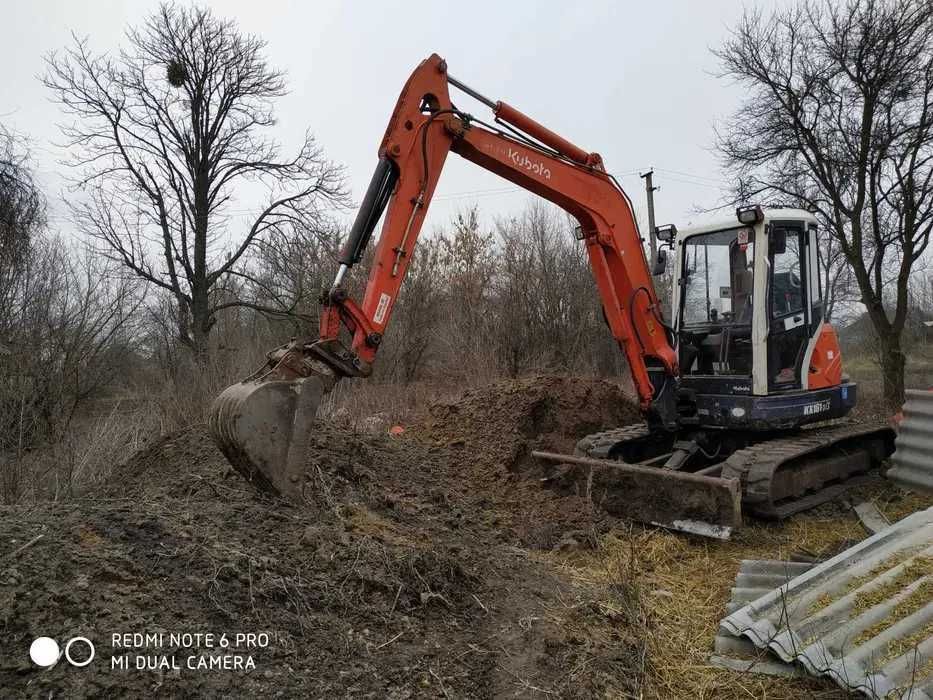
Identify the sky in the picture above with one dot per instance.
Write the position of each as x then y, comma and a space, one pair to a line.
635, 82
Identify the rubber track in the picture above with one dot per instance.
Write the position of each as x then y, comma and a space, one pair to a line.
756, 466
599, 445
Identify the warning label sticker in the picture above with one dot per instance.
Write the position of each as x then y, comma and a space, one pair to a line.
383, 308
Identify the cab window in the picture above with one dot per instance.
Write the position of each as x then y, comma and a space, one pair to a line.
718, 278
786, 280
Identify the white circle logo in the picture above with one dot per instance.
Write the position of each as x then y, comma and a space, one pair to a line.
90, 646
44, 651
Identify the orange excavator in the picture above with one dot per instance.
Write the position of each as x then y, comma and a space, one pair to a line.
728, 390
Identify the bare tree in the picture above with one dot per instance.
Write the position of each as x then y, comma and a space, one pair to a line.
165, 132
468, 261
22, 207
68, 325
546, 304
516, 298
839, 119
285, 276
417, 318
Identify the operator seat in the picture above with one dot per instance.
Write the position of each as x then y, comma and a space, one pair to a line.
743, 281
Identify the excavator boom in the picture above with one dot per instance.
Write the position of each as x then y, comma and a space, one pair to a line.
423, 129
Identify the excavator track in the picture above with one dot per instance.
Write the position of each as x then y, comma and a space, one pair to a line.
779, 476
601, 445
790, 474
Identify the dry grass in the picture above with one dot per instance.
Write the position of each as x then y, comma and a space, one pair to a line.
364, 521
898, 647
94, 443
369, 406
896, 504
872, 596
911, 572
685, 584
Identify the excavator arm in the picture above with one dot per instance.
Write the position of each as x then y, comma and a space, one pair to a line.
261, 423
424, 128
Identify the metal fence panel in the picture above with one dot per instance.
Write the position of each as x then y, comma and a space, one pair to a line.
913, 457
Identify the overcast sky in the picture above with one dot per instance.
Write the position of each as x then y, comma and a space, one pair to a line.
634, 81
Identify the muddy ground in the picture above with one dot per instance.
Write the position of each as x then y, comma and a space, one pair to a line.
410, 571
430, 564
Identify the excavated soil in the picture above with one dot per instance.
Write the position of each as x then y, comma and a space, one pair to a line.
499, 425
419, 566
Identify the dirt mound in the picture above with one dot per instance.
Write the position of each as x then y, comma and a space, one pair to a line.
407, 572
343, 465
171, 465
500, 424
488, 434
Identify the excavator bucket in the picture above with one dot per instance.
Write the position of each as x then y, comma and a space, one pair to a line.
263, 427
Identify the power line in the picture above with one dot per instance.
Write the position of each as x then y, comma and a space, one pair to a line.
694, 182
477, 193
690, 175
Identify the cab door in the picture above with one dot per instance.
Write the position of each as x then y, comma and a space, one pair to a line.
788, 307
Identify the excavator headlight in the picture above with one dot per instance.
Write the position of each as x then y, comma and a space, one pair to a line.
666, 234
749, 215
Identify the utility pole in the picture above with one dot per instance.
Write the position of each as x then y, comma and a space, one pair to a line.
650, 189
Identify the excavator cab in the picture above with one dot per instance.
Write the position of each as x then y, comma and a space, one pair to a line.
753, 346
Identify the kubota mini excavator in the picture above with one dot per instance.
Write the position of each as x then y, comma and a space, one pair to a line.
725, 389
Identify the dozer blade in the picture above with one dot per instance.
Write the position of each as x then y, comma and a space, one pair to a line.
263, 427
694, 503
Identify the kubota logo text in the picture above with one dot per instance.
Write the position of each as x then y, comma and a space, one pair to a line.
523, 161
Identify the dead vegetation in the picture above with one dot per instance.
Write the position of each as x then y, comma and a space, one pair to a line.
685, 584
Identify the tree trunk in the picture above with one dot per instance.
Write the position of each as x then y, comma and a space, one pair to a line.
199, 346
892, 371
200, 326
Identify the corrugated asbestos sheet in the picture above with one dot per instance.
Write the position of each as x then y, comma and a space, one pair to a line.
756, 577
864, 617
913, 456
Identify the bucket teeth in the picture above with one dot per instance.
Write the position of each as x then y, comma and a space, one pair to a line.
263, 427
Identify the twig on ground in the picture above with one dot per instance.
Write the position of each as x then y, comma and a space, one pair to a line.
480, 603
387, 643
395, 602
525, 684
28, 544
440, 680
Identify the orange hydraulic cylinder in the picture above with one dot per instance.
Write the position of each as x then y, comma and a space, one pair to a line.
523, 122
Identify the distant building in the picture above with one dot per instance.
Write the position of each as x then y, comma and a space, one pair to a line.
860, 334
